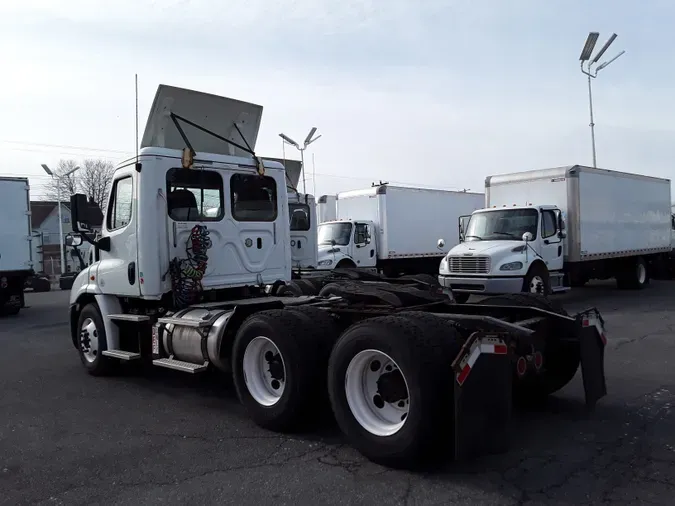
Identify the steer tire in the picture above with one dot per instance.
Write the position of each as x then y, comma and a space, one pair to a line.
293, 336
423, 351
561, 359
101, 365
540, 272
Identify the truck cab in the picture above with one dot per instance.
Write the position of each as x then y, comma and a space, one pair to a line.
347, 243
192, 216
507, 250
303, 226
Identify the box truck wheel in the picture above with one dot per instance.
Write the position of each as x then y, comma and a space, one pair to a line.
391, 391
537, 280
634, 276
460, 297
345, 264
276, 369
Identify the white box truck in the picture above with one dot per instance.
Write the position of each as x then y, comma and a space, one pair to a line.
327, 208
16, 253
392, 229
547, 230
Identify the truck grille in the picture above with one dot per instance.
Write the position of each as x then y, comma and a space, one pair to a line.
469, 265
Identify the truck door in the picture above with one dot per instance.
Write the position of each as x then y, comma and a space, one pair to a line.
551, 243
463, 222
303, 235
117, 271
365, 253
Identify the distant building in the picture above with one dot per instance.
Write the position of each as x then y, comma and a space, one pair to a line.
46, 249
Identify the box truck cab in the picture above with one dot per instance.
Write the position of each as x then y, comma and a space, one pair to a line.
347, 243
508, 250
393, 229
547, 230
303, 225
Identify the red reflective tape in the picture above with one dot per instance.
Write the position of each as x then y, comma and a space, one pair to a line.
603, 338
461, 377
585, 323
501, 349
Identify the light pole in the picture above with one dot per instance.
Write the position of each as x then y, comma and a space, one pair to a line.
592, 73
59, 181
308, 140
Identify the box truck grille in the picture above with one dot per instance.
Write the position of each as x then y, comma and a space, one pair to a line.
469, 265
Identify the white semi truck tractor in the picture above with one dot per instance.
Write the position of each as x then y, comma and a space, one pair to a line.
545, 231
411, 377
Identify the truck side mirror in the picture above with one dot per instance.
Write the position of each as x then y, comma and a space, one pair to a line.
84, 215
73, 240
440, 244
527, 236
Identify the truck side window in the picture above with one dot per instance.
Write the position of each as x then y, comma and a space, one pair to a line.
119, 209
548, 224
299, 217
254, 198
361, 234
195, 195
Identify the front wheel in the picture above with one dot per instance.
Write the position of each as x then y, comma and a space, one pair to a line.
92, 342
537, 280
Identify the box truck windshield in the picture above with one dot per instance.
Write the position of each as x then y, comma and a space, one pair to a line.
335, 233
506, 224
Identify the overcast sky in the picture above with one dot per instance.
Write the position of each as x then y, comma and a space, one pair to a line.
429, 92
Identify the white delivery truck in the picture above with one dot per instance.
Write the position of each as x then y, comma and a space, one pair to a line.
16, 252
175, 287
546, 230
327, 208
392, 229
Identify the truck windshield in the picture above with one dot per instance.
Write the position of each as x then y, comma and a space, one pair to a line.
299, 217
339, 232
507, 224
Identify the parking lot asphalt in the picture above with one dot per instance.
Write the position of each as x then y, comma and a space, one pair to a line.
161, 437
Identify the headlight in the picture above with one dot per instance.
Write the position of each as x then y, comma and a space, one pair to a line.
512, 266
326, 262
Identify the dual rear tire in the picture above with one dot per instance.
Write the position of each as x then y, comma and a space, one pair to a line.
388, 381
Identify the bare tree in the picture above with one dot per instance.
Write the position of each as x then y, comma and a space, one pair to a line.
95, 178
69, 184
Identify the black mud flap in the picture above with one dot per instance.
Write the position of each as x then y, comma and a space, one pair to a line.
592, 348
482, 395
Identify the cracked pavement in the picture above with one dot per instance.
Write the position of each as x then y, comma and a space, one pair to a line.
162, 437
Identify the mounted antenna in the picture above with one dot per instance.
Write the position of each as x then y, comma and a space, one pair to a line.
138, 163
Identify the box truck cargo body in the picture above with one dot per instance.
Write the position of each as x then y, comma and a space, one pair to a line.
581, 223
392, 229
327, 208
16, 262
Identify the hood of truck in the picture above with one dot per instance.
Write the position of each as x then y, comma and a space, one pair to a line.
483, 247
212, 112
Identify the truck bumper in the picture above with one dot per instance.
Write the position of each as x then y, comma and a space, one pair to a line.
486, 285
